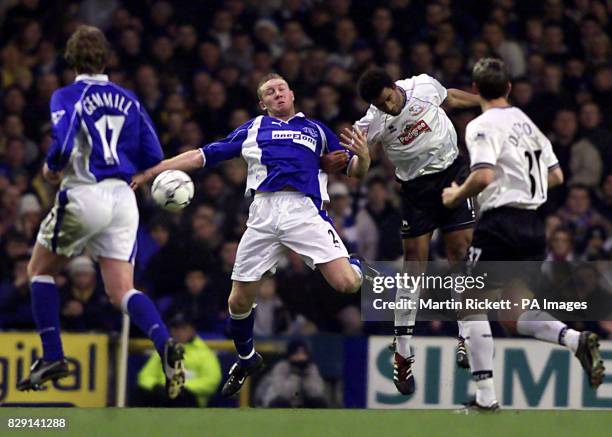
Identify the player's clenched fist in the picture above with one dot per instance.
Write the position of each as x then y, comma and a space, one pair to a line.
449, 195
335, 161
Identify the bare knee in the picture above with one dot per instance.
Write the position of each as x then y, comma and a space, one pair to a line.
347, 283
456, 252
239, 302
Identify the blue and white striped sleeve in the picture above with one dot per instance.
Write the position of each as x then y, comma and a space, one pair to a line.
64, 122
227, 148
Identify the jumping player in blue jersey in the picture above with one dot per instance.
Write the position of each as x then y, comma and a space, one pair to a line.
283, 151
102, 136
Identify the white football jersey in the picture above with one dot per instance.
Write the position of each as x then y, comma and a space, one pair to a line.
421, 139
507, 141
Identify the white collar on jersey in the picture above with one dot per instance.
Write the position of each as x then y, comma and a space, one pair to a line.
98, 77
298, 114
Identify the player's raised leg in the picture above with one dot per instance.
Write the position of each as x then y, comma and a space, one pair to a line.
544, 326
242, 319
416, 252
118, 276
42, 268
456, 244
343, 274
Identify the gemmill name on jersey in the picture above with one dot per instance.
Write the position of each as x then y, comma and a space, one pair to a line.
109, 100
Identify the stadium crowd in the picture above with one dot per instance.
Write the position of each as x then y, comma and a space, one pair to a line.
195, 65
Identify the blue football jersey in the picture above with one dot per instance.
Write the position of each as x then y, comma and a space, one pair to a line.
279, 154
100, 131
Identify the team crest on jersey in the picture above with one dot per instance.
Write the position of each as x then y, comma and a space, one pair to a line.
410, 133
416, 108
57, 116
310, 131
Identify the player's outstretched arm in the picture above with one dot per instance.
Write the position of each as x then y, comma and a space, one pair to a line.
357, 142
186, 161
474, 184
457, 98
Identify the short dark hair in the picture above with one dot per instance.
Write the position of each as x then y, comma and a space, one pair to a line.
87, 50
372, 82
491, 78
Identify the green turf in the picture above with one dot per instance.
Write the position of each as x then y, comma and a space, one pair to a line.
113, 422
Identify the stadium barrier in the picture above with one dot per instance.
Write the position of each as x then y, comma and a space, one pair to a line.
87, 385
528, 375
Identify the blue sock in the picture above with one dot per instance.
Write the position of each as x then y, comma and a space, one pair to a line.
241, 331
46, 309
143, 313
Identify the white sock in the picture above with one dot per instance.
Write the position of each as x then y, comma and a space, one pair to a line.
461, 329
485, 392
479, 342
402, 346
543, 326
570, 339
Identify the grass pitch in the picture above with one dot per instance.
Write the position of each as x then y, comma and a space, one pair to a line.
114, 422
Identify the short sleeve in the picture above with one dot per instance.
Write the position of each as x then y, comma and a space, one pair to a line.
369, 125
429, 89
481, 146
548, 155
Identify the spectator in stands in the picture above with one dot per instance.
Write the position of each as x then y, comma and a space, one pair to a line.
294, 382
15, 304
579, 159
84, 304
560, 246
603, 200
272, 316
578, 215
596, 133
191, 81
386, 218
341, 213
202, 370
509, 51
199, 299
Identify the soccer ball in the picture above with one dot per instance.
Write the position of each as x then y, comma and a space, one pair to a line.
172, 190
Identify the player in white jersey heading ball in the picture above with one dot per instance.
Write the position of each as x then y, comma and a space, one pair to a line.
406, 117
512, 167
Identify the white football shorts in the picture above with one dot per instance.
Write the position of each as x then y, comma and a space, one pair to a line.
280, 221
101, 218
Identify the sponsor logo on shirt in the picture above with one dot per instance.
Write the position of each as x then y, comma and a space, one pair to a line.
411, 132
296, 137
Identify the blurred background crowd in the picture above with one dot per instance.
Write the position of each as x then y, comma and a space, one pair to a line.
195, 64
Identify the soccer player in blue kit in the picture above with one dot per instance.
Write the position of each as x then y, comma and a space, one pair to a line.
102, 136
283, 151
